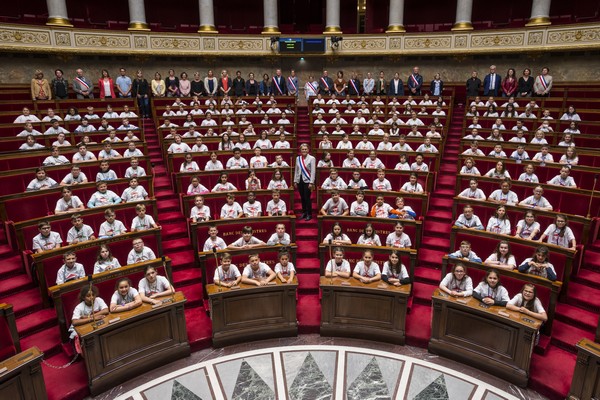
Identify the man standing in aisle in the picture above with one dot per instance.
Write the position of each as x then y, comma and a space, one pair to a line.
473, 85
415, 81
82, 86
396, 86
304, 179
279, 84
124, 84
292, 84
491, 83
354, 85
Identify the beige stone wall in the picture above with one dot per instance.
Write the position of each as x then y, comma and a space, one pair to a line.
19, 68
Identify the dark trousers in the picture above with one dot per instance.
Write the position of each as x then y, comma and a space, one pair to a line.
305, 192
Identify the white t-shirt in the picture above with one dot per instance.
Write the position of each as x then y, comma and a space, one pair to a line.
65, 274
62, 205
105, 265
231, 211
403, 274
120, 300
369, 271
160, 285
359, 210
110, 230
46, 242
285, 271
81, 235
231, 274
552, 233
218, 243
142, 224
394, 240
276, 208
252, 210
145, 255
333, 208
261, 272
343, 267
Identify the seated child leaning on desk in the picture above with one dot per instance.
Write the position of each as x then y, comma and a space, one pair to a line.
257, 273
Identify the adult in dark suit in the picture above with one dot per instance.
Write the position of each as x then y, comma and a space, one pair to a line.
473, 85
279, 86
415, 82
396, 87
325, 84
225, 84
492, 83
354, 85
239, 85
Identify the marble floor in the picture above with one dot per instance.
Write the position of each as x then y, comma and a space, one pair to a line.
311, 367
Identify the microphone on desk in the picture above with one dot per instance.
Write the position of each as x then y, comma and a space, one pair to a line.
89, 278
214, 250
427, 176
592, 196
330, 259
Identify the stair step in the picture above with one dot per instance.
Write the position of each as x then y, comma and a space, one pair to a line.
430, 276
187, 276
24, 302
11, 266
170, 246
445, 216
431, 257
308, 310
422, 292
438, 228
440, 203
308, 265
576, 316
171, 217
199, 328
193, 295
445, 192
566, 336
75, 387
180, 259
418, 325
15, 284
584, 296
47, 340
588, 277
37, 321
167, 204
309, 283
557, 363
173, 231
435, 243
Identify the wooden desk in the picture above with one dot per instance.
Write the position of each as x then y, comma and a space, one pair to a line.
586, 378
480, 337
143, 339
23, 378
363, 310
252, 312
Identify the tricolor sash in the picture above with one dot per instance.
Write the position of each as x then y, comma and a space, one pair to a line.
291, 81
325, 82
543, 82
354, 85
312, 86
412, 76
277, 84
82, 83
303, 168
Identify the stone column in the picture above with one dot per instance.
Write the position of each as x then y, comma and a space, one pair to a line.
271, 26
396, 17
332, 18
540, 13
207, 17
137, 16
57, 13
464, 9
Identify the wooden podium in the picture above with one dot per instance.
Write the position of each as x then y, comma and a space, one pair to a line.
22, 379
252, 312
464, 330
375, 311
142, 339
586, 378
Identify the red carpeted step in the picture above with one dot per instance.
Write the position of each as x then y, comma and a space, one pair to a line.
308, 283
15, 284
11, 266
418, 325
447, 179
435, 243
65, 384
165, 194
24, 302
576, 316
47, 340
199, 328
543, 345
592, 260
445, 192
6, 251
308, 310
160, 168
307, 248
584, 296
180, 259
451, 168
187, 276
438, 228
422, 292
34, 322
444, 216
551, 374
427, 275
193, 294
450, 159
173, 231
439, 203
175, 245
306, 232
165, 205
171, 217
308, 265
431, 257
588, 277
566, 336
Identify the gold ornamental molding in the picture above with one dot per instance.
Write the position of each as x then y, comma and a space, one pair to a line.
65, 40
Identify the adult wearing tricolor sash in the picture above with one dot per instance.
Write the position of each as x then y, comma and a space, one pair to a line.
415, 81
311, 88
292, 84
304, 179
325, 84
83, 86
543, 83
279, 86
354, 85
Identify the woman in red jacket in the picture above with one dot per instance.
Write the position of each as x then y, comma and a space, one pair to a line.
107, 88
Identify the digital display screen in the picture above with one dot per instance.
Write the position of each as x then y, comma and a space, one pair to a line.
313, 45
289, 45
